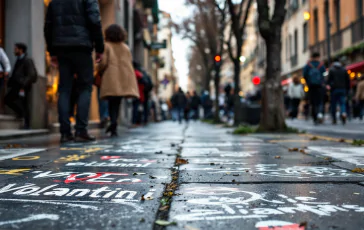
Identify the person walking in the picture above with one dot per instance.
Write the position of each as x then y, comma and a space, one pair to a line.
295, 93
181, 101
20, 84
339, 83
72, 30
195, 106
313, 73
5, 69
118, 78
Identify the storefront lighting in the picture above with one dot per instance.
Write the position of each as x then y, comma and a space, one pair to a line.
306, 88
303, 81
241, 94
359, 75
349, 71
352, 75
242, 59
306, 15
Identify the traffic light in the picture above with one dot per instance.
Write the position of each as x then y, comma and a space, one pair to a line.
217, 58
256, 80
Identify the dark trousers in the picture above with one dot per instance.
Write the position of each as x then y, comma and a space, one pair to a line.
316, 100
135, 119
146, 110
295, 103
338, 97
114, 108
71, 63
20, 105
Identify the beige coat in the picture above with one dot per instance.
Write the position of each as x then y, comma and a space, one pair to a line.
360, 91
118, 78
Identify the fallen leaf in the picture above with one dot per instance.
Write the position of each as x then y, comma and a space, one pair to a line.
342, 140
235, 174
142, 220
152, 177
293, 149
233, 181
142, 198
165, 223
168, 194
314, 138
277, 157
327, 158
358, 170
181, 161
303, 224
159, 152
175, 178
246, 170
228, 173
212, 163
164, 208
149, 198
303, 151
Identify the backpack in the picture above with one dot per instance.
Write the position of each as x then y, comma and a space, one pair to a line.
315, 76
148, 84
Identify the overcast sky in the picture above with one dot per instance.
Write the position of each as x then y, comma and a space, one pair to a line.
178, 11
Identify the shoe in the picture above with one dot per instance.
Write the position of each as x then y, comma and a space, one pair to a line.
103, 123
343, 118
114, 134
334, 122
113, 130
84, 137
66, 138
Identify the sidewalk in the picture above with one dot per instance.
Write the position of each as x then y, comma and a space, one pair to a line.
194, 176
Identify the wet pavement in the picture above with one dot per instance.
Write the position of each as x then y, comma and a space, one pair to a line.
194, 176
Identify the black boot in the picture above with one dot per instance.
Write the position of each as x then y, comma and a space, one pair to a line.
84, 137
67, 138
113, 130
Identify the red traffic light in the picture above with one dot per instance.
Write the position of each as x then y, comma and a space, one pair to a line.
256, 80
217, 58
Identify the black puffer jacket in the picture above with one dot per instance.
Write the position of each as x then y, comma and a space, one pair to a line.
73, 25
338, 77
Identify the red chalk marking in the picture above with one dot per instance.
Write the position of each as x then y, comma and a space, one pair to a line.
287, 227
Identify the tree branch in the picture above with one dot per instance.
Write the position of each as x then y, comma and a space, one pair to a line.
242, 28
263, 18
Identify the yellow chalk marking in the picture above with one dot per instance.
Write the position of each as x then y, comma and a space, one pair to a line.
26, 158
15, 172
70, 158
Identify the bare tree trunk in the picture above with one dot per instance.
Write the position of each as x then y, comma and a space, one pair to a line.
236, 92
217, 83
272, 114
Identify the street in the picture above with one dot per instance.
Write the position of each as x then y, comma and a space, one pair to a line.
195, 176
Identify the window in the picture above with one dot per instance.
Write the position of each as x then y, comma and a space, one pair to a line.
337, 14
305, 37
316, 25
359, 8
295, 42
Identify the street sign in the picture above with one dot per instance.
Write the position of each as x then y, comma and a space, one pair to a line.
158, 45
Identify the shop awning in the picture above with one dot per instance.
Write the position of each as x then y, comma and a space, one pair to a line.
355, 67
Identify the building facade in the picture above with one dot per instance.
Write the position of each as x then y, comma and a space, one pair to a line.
295, 36
345, 18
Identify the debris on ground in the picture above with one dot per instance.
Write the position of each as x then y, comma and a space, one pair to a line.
293, 149
181, 161
165, 223
358, 170
277, 157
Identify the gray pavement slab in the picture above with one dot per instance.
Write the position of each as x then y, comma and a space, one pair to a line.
78, 206
265, 173
319, 206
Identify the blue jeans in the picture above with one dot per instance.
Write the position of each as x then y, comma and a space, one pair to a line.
338, 97
136, 104
103, 107
81, 64
180, 113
